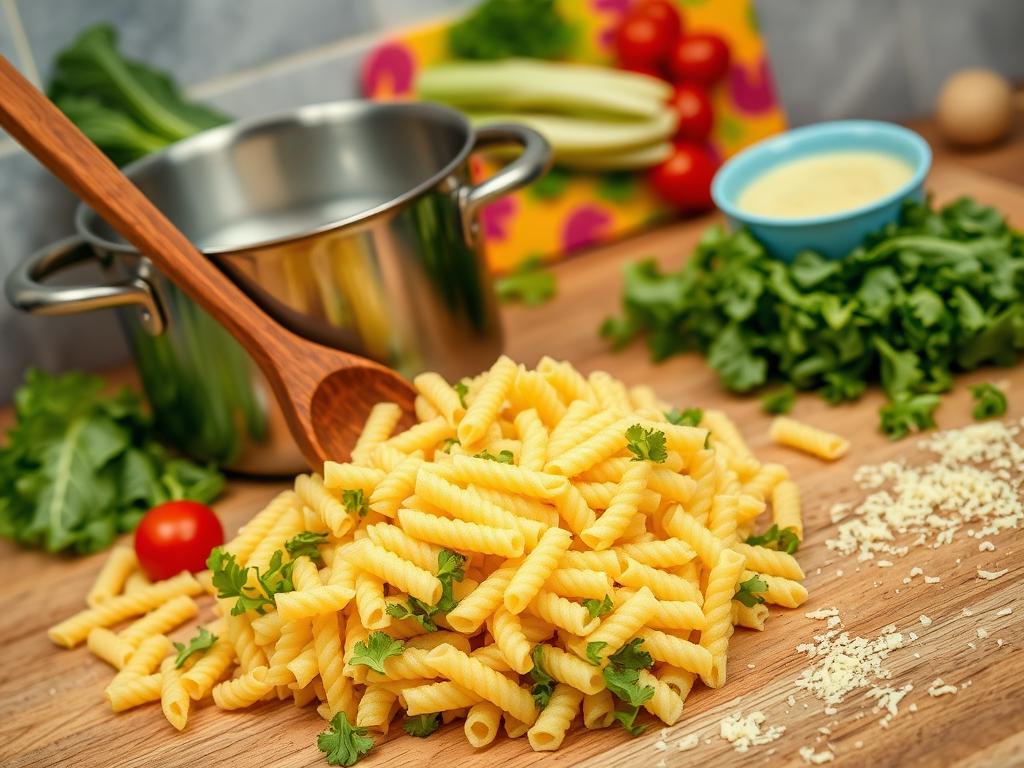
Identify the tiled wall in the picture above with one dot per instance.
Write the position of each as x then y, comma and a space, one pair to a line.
832, 58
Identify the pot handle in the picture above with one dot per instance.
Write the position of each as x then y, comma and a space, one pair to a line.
531, 164
26, 291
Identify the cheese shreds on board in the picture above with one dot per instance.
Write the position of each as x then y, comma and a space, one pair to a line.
816, 758
940, 688
688, 742
744, 731
992, 575
843, 663
974, 481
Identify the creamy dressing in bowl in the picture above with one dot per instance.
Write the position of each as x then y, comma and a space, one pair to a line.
824, 183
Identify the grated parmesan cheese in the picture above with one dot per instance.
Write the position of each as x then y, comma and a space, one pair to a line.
925, 621
986, 546
1004, 611
992, 575
940, 688
743, 732
982, 633
816, 758
973, 483
931, 579
688, 742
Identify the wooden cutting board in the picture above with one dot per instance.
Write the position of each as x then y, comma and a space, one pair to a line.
52, 710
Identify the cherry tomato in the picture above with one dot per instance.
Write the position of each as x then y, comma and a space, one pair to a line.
701, 58
696, 115
176, 536
642, 40
684, 180
664, 13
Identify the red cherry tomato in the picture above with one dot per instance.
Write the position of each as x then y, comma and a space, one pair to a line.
176, 536
701, 58
642, 40
684, 180
664, 13
696, 115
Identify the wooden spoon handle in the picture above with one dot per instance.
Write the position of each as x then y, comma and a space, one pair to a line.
57, 143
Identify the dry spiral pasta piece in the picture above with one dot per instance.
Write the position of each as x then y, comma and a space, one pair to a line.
676, 615
582, 456
243, 691
786, 507
611, 394
508, 635
623, 622
253, 532
570, 669
686, 527
751, 617
770, 561
817, 442
766, 480
784, 592
458, 534
106, 645
534, 436
598, 710
396, 571
485, 682
397, 484
441, 396
394, 539
563, 613
663, 553
75, 629
306, 603
579, 582
473, 610
665, 704
506, 477
174, 700
289, 524
723, 430
677, 652
548, 732
110, 581
486, 406
722, 519
574, 510
380, 423
722, 582
532, 391
568, 382
437, 697
607, 561
536, 568
624, 505
199, 680
704, 471
311, 490
376, 707
481, 726
663, 585
128, 692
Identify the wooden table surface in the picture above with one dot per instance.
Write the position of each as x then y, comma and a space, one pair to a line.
52, 710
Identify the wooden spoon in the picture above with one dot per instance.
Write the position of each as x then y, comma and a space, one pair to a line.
325, 393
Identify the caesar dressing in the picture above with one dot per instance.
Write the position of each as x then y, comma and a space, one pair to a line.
824, 183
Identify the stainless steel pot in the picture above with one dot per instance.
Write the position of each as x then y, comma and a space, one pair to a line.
351, 223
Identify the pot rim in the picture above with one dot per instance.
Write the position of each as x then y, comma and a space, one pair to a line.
224, 136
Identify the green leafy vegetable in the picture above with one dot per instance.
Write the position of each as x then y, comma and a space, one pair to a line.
646, 444
422, 726
689, 418
936, 292
597, 608
503, 457
202, 642
632, 656
305, 544
530, 283
594, 651
749, 592
461, 389
416, 610
127, 108
343, 744
543, 683
624, 684
447, 443
498, 29
908, 413
375, 649
782, 539
780, 400
627, 719
80, 466
989, 401
232, 580
450, 568
355, 502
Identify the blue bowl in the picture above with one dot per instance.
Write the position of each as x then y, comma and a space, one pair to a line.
836, 234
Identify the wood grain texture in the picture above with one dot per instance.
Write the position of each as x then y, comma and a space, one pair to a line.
325, 394
51, 702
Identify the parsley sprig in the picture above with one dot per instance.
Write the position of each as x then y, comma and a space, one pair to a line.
450, 569
422, 726
687, 418
622, 678
201, 643
342, 743
782, 539
989, 401
543, 683
780, 400
646, 444
306, 544
461, 389
378, 647
598, 608
749, 592
503, 457
232, 580
354, 501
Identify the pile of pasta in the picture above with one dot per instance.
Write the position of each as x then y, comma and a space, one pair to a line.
534, 527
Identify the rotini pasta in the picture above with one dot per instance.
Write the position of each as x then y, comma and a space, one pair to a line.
817, 442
